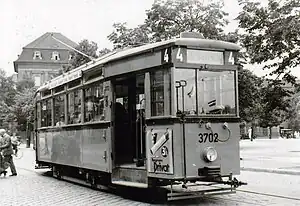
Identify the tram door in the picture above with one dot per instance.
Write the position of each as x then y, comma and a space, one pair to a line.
129, 121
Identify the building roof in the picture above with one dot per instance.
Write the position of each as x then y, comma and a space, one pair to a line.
47, 42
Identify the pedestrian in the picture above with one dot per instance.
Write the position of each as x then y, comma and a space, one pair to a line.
14, 142
250, 133
3, 165
7, 151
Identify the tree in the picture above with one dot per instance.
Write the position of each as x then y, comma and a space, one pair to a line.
123, 37
292, 116
89, 49
275, 103
103, 52
7, 94
249, 95
86, 47
23, 109
271, 35
25, 84
166, 19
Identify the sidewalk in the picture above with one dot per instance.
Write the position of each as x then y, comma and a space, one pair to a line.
280, 156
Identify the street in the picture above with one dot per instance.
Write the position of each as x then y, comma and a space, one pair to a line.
36, 187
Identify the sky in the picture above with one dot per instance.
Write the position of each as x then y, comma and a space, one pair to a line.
22, 21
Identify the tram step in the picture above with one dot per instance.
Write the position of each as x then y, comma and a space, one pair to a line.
130, 175
130, 184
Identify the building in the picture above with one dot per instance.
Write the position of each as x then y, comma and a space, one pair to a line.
43, 58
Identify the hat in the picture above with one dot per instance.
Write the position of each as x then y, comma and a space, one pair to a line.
2, 131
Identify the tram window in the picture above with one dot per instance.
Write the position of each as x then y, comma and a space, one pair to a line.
59, 110
74, 107
157, 93
46, 110
38, 114
140, 92
189, 96
216, 92
94, 103
46, 93
74, 83
59, 89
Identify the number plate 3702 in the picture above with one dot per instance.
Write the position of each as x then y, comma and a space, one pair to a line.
208, 137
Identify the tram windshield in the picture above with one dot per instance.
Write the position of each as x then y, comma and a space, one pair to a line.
206, 92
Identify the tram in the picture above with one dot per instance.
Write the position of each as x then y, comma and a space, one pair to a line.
162, 115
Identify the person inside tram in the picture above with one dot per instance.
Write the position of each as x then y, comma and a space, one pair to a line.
90, 108
61, 121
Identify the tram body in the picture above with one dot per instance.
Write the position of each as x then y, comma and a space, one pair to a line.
158, 115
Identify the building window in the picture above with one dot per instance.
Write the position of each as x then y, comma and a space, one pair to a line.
37, 55
71, 57
55, 56
37, 81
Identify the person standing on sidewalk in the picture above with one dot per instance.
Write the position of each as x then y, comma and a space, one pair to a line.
7, 152
2, 163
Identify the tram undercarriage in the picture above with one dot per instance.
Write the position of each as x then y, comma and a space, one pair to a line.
172, 190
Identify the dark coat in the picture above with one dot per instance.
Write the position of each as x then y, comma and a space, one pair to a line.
6, 146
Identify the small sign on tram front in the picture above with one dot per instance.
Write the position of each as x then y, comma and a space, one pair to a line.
160, 147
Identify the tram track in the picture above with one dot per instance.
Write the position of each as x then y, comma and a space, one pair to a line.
269, 195
233, 198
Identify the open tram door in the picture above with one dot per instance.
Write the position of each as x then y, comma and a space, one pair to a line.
129, 149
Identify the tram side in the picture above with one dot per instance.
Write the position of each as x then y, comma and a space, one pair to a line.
72, 133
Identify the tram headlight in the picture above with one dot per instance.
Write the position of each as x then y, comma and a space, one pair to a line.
210, 154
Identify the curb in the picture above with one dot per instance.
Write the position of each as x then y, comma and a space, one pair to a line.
277, 171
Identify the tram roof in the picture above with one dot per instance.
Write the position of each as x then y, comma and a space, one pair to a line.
117, 55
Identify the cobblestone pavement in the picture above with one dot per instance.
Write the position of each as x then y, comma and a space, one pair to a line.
35, 188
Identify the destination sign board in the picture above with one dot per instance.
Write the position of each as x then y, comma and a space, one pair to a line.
201, 56
64, 79
204, 57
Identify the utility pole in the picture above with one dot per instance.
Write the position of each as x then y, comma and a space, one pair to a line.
28, 135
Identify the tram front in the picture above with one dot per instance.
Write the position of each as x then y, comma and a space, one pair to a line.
200, 142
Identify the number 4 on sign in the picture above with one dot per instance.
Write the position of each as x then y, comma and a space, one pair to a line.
231, 58
166, 56
179, 55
